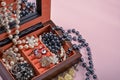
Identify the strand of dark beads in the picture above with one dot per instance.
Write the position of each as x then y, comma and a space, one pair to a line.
52, 42
82, 43
23, 71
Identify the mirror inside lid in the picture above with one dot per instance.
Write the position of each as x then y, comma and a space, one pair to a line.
40, 14
29, 10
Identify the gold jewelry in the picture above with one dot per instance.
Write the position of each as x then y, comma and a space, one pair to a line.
68, 77
60, 78
71, 71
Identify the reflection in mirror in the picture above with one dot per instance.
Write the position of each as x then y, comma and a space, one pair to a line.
27, 7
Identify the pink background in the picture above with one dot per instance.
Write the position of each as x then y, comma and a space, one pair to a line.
99, 23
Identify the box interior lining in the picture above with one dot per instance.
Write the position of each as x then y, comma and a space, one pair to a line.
35, 62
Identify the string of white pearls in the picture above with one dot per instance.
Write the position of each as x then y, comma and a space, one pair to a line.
18, 6
17, 20
5, 13
15, 39
3, 4
28, 42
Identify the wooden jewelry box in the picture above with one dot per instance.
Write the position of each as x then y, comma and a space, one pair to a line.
36, 24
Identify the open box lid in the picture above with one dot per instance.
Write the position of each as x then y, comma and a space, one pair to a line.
41, 15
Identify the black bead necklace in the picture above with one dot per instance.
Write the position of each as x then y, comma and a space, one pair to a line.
52, 42
22, 71
82, 44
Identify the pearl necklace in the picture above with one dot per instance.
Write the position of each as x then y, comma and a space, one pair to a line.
14, 39
28, 43
7, 27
